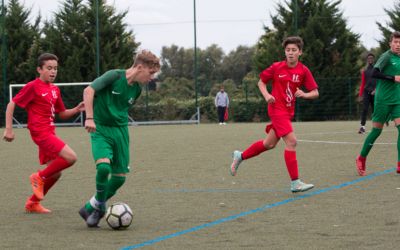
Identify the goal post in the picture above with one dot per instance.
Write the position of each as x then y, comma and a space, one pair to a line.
72, 95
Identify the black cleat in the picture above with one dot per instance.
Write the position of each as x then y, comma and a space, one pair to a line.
94, 218
84, 213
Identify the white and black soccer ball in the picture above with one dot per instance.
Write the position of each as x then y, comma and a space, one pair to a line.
119, 216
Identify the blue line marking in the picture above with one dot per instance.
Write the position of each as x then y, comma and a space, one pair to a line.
260, 209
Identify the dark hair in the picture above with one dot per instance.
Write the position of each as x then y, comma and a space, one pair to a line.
46, 57
293, 40
370, 54
395, 34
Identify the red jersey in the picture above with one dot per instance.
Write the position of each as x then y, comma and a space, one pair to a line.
42, 101
285, 81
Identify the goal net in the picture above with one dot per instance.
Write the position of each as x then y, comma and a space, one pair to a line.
72, 94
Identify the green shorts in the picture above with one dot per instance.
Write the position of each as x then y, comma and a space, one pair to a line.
384, 112
112, 143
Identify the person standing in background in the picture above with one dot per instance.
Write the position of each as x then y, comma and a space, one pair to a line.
222, 103
367, 90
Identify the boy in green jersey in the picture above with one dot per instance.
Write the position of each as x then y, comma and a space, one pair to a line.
387, 99
107, 101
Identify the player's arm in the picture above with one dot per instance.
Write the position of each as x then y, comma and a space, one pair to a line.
379, 75
8, 131
313, 94
68, 113
88, 96
263, 89
98, 84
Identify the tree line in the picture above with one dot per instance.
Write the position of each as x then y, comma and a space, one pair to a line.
332, 50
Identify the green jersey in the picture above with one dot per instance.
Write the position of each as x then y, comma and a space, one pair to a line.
113, 98
388, 92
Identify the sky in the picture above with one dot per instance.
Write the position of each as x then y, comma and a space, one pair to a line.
227, 23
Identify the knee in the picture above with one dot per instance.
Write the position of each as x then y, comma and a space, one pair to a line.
269, 146
291, 143
72, 158
103, 169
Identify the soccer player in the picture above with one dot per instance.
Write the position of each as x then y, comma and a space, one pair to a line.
287, 77
107, 102
367, 90
387, 100
42, 100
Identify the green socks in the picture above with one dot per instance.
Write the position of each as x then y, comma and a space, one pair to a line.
115, 182
398, 143
105, 187
369, 141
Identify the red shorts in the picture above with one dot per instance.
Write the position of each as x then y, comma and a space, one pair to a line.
49, 145
282, 125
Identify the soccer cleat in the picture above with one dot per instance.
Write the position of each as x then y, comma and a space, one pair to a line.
84, 213
94, 218
362, 130
398, 170
35, 207
299, 186
360, 164
37, 184
237, 159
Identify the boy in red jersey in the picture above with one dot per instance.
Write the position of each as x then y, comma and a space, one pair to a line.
42, 100
287, 78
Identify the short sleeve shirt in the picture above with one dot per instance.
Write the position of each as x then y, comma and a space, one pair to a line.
285, 81
41, 101
388, 92
113, 98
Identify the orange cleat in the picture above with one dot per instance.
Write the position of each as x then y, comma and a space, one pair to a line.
37, 185
35, 207
360, 164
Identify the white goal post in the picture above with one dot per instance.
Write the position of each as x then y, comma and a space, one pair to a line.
78, 121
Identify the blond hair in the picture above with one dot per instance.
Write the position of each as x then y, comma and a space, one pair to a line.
147, 59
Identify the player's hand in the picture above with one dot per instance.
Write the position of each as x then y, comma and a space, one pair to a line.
8, 135
90, 126
359, 98
397, 79
299, 93
270, 99
81, 107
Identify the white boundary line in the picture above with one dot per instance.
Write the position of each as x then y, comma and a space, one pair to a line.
348, 143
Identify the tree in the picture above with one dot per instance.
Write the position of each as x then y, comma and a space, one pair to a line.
237, 64
72, 36
20, 37
392, 25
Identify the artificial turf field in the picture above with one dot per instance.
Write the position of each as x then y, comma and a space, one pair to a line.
183, 197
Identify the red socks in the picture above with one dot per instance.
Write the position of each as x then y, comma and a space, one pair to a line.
48, 183
290, 157
255, 149
291, 164
54, 167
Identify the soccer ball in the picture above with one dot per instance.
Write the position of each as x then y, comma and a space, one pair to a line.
119, 216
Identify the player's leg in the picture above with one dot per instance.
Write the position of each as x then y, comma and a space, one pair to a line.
57, 155
379, 117
120, 161
291, 164
398, 147
367, 146
116, 181
364, 112
33, 205
396, 114
254, 149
